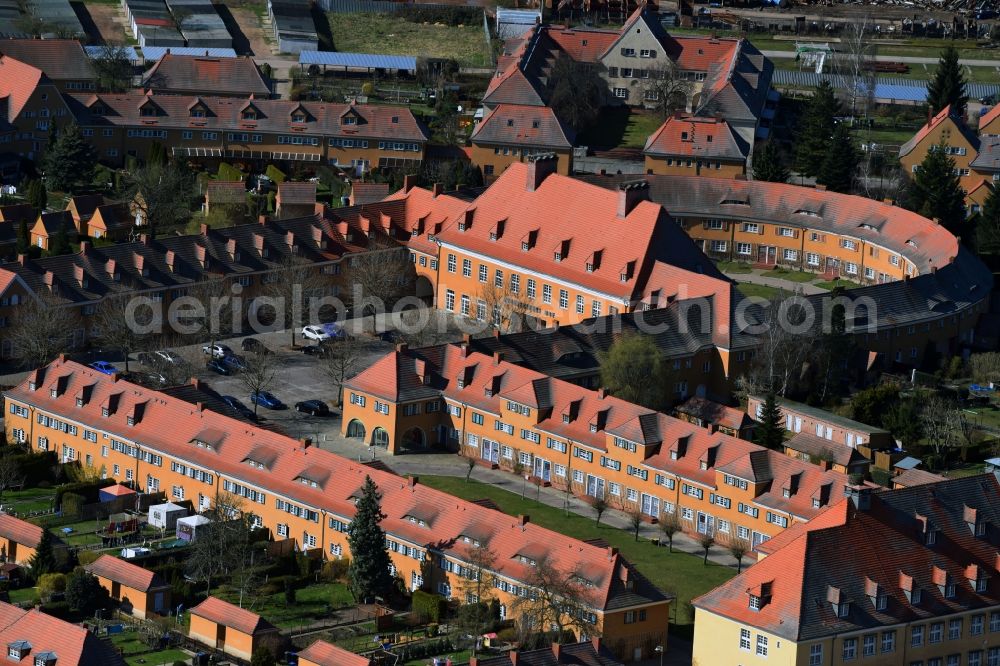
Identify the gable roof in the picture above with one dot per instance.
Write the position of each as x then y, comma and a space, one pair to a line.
328, 654
989, 117
234, 617
692, 136
125, 573
297, 193
715, 413
220, 76
113, 217
943, 116
72, 644
363, 193
824, 449
586, 653
889, 556
988, 157
226, 192
523, 125
18, 80
59, 59
915, 477
20, 531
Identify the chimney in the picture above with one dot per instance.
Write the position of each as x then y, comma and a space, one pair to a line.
144, 239
402, 347
262, 219
22, 259
540, 166
78, 274
601, 393
203, 229
84, 247
306, 442
821, 188
473, 661
513, 657
630, 194
50, 279
412, 480
200, 406
196, 383
497, 358
556, 649
596, 642
436, 189
860, 496
231, 248
169, 259
523, 519
409, 181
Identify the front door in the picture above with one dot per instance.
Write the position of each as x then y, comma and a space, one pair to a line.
706, 523
491, 451
543, 469
650, 505
595, 486
833, 266
767, 254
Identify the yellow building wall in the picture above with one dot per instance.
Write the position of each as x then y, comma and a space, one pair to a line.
947, 131
494, 160
717, 642
678, 166
16, 552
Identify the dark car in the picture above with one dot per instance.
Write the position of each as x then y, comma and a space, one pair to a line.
313, 407
235, 362
238, 406
314, 350
217, 365
267, 399
254, 345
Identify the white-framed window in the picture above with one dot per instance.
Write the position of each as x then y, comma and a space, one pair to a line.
816, 655
449, 300
483, 273
745, 640
888, 641
791, 255
580, 304
868, 645
848, 244
761, 645
718, 246
621, 93
744, 249
812, 259
850, 649
466, 268
751, 228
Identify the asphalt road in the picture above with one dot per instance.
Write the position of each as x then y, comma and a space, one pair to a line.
913, 60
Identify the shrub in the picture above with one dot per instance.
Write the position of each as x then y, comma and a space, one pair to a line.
51, 583
275, 174
59, 609
88, 489
229, 172
428, 605
72, 503
335, 570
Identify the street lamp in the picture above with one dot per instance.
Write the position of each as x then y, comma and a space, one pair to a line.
659, 650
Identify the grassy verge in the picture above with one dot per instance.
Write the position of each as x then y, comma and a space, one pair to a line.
733, 267
392, 35
791, 276
23, 595
833, 284
312, 604
620, 127
31, 499
681, 574
758, 290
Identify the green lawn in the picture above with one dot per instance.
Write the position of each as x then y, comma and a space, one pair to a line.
31, 499
681, 574
393, 35
733, 267
310, 605
791, 276
23, 595
620, 127
162, 658
833, 284
759, 290
885, 136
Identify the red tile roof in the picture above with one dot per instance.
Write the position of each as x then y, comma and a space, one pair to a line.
126, 573
889, 555
691, 136
942, 116
170, 426
363, 193
564, 216
118, 490
72, 644
20, 531
215, 76
515, 124
297, 193
327, 654
915, 477
18, 81
234, 617
226, 192
989, 117
715, 413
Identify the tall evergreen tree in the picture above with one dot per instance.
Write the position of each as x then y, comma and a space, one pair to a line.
936, 191
23, 238
841, 161
157, 154
38, 197
948, 85
368, 574
768, 165
988, 225
44, 559
769, 431
59, 244
69, 161
815, 128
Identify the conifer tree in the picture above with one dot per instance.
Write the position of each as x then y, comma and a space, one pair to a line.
69, 161
815, 129
59, 244
23, 238
841, 161
38, 197
769, 432
988, 225
44, 559
768, 166
936, 191
948, 85
368, 574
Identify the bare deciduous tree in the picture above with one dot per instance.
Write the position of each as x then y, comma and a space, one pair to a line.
10, 474
160, 195
504, 307
288, 286
38, 330
738, 548
119, 324
667, 88
224, 547
383, 275
341, 362
670, 525
706, 541
562, 601
599, 505
985, 367
635, 521
216, 319
938, 423
782, 351
477, 575
258, 374
856, 61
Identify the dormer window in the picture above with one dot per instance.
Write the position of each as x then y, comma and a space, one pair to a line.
881, 601
754, 602
593, 427
105, 411
130, 420
349, 120
949, 591
684, 136
843, 609
53, 392
298, 117
147, 111
565, 418
557, 256
395, 120
590, 267
787, 492
493, 235
916, 595
249, 114
45, 659
510, 122
18, 650
623, 277
930, 538
673, 455
79, 402
816, 503
525, 246
32, 385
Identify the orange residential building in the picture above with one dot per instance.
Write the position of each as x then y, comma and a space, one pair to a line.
511, 133
231, 629
50, 224
960, 142
322, 653
295, 199
34, 638
138, 591
686, 145
18, 538
305, 494
716, 417
588, 442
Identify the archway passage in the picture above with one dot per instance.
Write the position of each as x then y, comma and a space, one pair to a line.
424, 290
380, 437
356, 429
414, 439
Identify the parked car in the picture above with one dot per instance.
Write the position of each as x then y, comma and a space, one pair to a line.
254, 345
390, 336
335, 331
238, 406
313, 407
104, 366
217, 350
217, 365
169, 357
235, 361
150, 379
314, 350
267, 399
316, 333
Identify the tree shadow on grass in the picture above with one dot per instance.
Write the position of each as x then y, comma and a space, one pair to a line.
608, 131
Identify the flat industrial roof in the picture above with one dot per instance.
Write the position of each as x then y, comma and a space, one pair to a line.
367, 60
